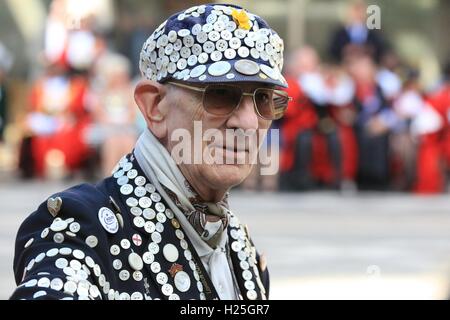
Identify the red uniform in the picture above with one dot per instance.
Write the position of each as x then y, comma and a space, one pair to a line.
433, 157
68, 138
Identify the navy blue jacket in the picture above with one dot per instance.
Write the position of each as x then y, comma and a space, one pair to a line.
119, 240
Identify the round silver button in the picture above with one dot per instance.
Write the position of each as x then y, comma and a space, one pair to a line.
219, 68
148, 258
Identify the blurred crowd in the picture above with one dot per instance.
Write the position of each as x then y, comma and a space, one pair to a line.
359, 118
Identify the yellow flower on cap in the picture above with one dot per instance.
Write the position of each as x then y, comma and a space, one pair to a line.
241, 18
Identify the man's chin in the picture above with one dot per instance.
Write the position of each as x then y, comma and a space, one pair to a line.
229, 175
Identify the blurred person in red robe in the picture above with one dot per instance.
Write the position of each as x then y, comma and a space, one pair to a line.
340, 95
56, 122
433, 126
311, 152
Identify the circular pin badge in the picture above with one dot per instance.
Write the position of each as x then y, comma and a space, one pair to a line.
170, 252
162, 278
159, 227
68, 271
75, 265
61, 263
184, 244
117, 264
135, 261
236, 246
155, 197
196, 276
249, 285
270, 72
126, 189
94, 292
31, 283
167, 289
139, 222
138, 276
155, 267
199, 286
58, 225
182, 281
44, 233
65, 251
132, 202
149, 213
247, 275
122, 180
136, 211
57, 284
187, 254
148, 258
160, 216
133, 172
137, 296
52, 252
179, 234
127, 166
74, 227
114, 250
137, 239
244, 265
125, 244
145, 202
29, 242
70, 287
219, 68
156, 237
149, 227
44, 282
243, 52
198, 71
108, 220
124, 275
252, 295
39, 257
117, 174
247, 67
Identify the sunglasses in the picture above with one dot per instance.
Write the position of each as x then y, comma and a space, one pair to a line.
223, 100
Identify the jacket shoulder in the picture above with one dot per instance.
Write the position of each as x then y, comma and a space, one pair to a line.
66, 221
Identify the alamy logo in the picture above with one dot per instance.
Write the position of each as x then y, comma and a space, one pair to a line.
230, 146
373, 17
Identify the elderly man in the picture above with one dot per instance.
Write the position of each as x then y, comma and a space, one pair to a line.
160, 228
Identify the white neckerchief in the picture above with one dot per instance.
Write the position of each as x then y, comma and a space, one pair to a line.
160, 168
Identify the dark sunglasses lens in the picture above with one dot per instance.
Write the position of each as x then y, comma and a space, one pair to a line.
221, 100
271, 104
280, 103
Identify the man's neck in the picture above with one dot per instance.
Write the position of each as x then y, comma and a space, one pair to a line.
206, 193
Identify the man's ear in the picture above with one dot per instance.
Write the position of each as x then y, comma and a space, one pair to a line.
148, 96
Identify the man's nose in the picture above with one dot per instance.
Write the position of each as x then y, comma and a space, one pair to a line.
245, 116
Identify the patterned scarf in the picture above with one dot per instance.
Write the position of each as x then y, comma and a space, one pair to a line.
209, 219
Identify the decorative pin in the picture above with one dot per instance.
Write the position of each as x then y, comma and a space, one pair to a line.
182, 281
174, 269
170, 252
137, 239
54, 205
108, 220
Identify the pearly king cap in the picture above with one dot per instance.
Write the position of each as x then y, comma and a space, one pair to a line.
214, 43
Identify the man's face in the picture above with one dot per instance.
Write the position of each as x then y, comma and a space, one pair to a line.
186, 106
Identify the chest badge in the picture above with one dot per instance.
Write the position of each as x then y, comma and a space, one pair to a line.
108, 220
